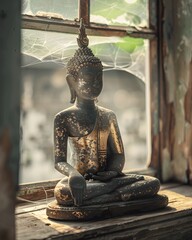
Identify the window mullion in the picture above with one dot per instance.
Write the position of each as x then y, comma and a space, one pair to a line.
153, 90
84, 11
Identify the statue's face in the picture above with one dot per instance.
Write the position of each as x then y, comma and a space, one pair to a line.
89, 82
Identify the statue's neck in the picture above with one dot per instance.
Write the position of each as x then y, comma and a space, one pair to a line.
85, 105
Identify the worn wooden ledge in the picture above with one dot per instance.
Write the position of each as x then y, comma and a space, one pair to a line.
173, 222
37, 190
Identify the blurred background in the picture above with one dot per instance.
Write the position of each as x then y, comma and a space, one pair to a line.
45, 91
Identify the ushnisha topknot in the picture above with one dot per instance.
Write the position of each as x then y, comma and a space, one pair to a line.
83, 55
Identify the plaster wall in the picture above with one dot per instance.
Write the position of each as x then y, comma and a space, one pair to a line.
176, 91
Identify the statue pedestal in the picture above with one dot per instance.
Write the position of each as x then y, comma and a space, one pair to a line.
102, 211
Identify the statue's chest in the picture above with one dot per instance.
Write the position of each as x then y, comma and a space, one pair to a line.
81, 125
90, 151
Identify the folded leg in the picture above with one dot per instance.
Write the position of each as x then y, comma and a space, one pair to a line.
121, 188
141, 189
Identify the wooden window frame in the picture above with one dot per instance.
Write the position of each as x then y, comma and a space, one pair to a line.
153, 34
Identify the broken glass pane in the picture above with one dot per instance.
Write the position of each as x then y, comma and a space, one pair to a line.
120, 12
41, 47
61, 9
45, 92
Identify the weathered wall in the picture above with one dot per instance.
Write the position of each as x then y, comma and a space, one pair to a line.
9, 113
176, 91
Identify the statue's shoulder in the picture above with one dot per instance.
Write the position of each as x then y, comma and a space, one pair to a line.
64, 115
106, 113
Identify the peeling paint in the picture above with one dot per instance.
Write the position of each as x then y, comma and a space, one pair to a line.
6, 187
167, 171
169, 70
177, 150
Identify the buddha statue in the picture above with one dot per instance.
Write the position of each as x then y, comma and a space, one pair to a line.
94, 177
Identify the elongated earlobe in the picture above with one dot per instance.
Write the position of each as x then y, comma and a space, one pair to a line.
70, 80
73, 95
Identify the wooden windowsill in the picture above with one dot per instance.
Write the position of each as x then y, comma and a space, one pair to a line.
173, 222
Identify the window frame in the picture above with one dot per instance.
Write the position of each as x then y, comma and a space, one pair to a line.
96, 29
151, 33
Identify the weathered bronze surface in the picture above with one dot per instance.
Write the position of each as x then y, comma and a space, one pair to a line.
94, 175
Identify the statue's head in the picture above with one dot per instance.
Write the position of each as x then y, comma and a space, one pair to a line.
84, 70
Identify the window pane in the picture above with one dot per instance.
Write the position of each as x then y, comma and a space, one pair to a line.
66, 9
120, 12
45, 92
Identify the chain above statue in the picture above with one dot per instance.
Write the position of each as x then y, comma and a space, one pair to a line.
94, 186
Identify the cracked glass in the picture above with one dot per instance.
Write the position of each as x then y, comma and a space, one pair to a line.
58, 9
119, 12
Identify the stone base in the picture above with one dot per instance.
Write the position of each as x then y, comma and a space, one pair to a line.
102, 211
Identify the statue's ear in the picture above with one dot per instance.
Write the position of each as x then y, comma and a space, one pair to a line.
71, 80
